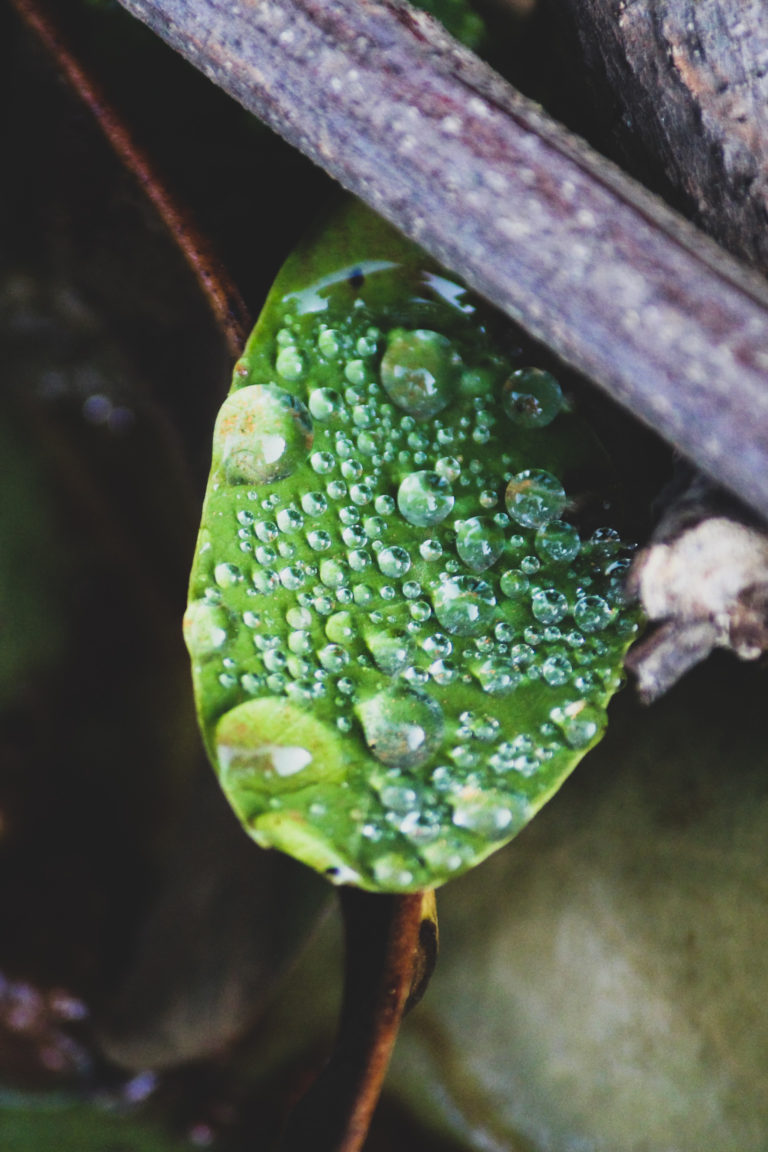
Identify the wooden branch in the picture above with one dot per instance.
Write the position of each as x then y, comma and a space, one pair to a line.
391, 948
690, 82
582, 257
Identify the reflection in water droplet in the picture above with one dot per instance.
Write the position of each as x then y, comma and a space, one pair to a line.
531, 398
489, 814
420, 371
393, 561
479, 542
592, 613
262, 434
548, 605
424, 498
403, 729
558, 541
325, 403
392, 651
464, 605
534, 496
580, 722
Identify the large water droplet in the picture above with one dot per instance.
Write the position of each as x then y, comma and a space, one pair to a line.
262, 434
403, 729
479, 542
464, 605
424, 498
534, 496
420, 371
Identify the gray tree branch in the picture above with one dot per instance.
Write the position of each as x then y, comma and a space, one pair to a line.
529, 216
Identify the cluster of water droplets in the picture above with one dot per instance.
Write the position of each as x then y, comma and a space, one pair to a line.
381, 552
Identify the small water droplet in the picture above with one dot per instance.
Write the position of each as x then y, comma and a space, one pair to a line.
403, 729
325, 403
328, 343
557, 670
322, 462
548, 605
579, 722
206, 629
479, 542
489, 814
448, 467
534, 496
318, 540
420, 371
227, 575
289, 363
592, 613
314, 503
289, 520
430, 549
333, 657
464, 605
497, 675
391, 871
424, 498
393, 561
333, 572
531, 398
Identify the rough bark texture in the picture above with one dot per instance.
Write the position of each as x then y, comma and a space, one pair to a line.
583, 258
691, 80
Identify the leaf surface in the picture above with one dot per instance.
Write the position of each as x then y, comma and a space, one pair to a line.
406, 615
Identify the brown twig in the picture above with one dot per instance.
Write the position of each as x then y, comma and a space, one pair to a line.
222, 294
580, 255
390, 951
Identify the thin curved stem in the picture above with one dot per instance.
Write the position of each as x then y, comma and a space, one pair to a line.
224, 300
391, 947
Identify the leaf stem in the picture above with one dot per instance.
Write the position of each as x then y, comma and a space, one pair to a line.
225, 302
391, 944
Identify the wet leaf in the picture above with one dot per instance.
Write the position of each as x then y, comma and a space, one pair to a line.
405, 615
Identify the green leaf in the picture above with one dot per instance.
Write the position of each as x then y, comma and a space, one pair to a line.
405, 614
